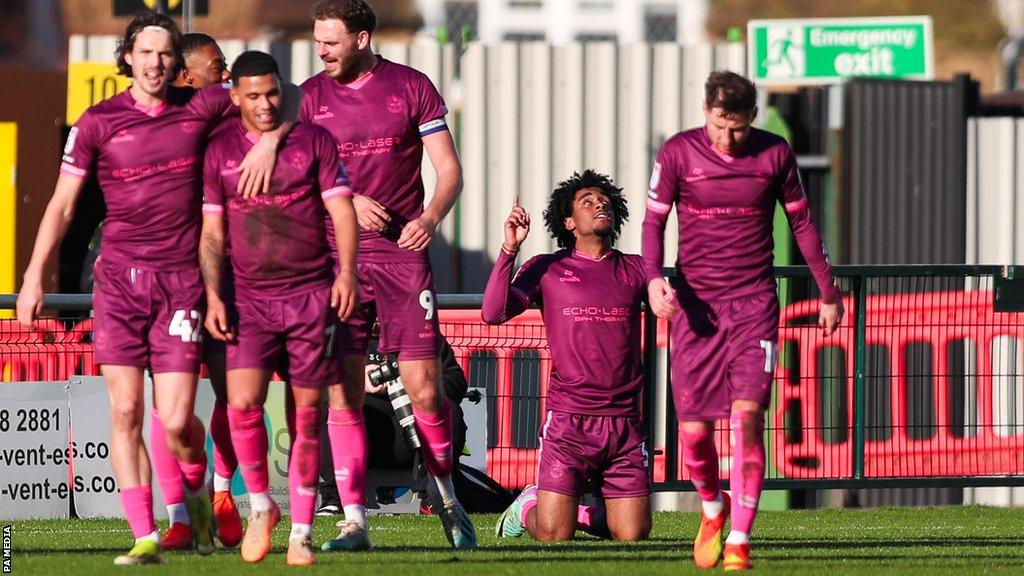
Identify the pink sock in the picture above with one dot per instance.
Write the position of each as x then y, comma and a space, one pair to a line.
435, 431
525, 510
193, 473
168, 475
138, 509
304, 464
748, 462
224, 460
701, 461
347, 432
249, 435
585, 516
593, 521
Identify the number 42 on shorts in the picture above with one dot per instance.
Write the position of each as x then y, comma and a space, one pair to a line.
187, 325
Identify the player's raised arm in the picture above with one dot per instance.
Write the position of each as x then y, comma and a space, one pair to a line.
56, 219
503, 300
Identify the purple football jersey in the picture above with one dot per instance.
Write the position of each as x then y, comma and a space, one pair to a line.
278, 242
725, 207
148, 161
378, 122
591, 310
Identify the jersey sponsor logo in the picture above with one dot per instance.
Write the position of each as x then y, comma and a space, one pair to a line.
696, 175
70, 145
368, 147
265, 201
597, 313
122, 136
569, 276
710, 212
394, 104
655, 179
176, 166
323, 113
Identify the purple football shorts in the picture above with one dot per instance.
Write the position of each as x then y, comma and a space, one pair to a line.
606, 453
303, 327
721, 352
148, 319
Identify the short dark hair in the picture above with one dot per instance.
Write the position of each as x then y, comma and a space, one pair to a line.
194, 41
734, 94
253, 63
139, 22
356, 14
560, 205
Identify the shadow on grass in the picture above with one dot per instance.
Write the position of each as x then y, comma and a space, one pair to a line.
787, 543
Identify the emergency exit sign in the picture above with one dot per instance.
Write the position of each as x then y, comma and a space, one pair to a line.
824, 51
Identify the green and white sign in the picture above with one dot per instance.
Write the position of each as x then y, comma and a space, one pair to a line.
823, 51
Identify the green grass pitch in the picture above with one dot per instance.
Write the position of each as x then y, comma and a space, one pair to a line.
957, 540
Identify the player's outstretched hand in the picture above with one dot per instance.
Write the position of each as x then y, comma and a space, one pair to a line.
417, 234
217, 322
345, 294
517, 227
370, 215
256, 168
829, 317
30, 304
661, 298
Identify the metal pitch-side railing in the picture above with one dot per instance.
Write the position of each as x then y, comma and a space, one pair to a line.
922, 385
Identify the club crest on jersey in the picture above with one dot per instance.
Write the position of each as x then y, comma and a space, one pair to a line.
395, 104
297, 159
122, 136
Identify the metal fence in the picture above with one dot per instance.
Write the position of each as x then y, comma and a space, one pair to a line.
922, 385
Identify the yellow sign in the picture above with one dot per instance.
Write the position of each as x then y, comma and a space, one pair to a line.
152, 4
8, 209
90, 83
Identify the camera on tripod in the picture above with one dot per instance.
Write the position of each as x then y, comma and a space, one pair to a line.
387, 375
